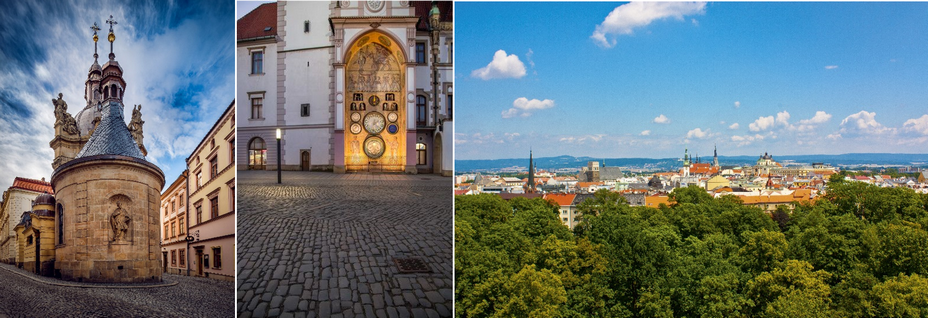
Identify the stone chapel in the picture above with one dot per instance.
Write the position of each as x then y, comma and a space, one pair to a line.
107, 195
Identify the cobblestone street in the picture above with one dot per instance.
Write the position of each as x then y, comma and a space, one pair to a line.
22, 296
324, 245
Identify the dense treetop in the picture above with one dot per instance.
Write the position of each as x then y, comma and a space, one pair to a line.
858, 251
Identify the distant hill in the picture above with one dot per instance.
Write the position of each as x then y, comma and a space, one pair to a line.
560, 162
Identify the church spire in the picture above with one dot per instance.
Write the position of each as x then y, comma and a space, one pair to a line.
531, 173
112, 36
95, 28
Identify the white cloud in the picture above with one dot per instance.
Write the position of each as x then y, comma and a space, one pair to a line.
831, 67
737, 104
697, 133
528, 57
524, 107
783, 118
627, 17
918, 125
661, 119
762, 123
646, 133
733, 126
862, 123
502, 66
746, 139
819, 118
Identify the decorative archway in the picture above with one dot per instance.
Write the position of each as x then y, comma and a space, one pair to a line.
375, 116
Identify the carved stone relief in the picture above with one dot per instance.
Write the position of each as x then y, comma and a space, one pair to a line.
120, 218
63, 118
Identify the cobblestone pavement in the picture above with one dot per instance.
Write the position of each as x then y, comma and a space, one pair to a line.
324, 244
192, 297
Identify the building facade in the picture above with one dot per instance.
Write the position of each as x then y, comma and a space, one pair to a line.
353, 86
174, 222
16, 200
35, 237
211, 201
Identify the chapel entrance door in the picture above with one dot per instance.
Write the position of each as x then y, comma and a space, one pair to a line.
164, 263
304, 160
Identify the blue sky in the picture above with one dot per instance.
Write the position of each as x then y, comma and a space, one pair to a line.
651, 79
178, 62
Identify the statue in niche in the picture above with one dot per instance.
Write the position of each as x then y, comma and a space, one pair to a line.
69, 125
390, 97
394, 107
386, 107
363, 106
354, 106
135, 125
119, 221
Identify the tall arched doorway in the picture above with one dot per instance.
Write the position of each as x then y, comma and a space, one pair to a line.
304, 160
436, 154
257, 154
375, 112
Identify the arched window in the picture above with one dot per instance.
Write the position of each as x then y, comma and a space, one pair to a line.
257, 154
106, 92
421, 111
421, 159
113, 91
60, 224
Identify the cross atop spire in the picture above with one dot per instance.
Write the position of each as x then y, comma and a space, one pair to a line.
112, 36
95, 28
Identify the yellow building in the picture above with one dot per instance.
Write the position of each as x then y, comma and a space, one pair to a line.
174, 227
211, 201
717, 182
35, 236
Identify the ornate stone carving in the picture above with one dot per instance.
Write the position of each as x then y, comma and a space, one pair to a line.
63, 118
135, 127
377, 70
119, 221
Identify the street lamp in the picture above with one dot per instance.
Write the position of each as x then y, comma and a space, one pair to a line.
278, 155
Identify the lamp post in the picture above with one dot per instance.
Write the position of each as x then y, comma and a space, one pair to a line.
278, 155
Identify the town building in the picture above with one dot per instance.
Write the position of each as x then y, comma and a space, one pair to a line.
174, 222
35, 237
352, 86
106, 192
211, 202
17, 199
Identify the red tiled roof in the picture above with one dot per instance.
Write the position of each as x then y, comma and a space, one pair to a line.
561, 199
253, 24
32, 185
460, 192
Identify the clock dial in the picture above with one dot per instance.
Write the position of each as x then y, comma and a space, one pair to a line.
355, 128
355, 117
374, 123
392, 117
374, 100
374, 147
392, 128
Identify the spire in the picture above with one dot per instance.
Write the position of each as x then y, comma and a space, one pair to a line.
531, 172
112, 36
95, 28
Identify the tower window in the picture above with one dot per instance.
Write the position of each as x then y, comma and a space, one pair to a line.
304, 110
306, 26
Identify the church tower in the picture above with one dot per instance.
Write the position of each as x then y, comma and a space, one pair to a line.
531, 173
715, 156
108, 194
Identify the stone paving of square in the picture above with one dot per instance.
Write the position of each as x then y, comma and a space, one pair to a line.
324, 244
24, 294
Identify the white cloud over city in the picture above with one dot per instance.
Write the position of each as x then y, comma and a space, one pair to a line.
502, 66
524, 107
626, 18
661, 119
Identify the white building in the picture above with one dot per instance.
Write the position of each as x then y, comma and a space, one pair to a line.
16, 200
353, 86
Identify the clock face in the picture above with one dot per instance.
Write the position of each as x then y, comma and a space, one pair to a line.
374, 147
393, 128
374, 123
374, 100
355, 128
355, 117
392, 117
